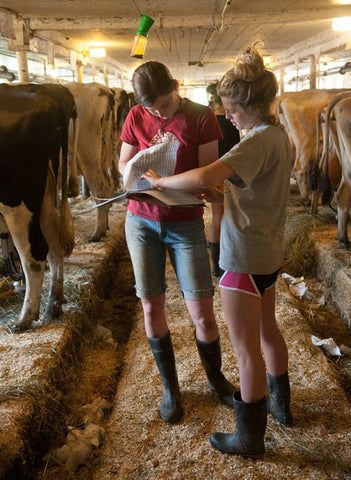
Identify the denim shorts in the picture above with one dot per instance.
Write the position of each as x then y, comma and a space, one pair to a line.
149, 240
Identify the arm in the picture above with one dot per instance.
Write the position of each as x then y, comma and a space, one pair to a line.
207, 153
202, 177
127, 153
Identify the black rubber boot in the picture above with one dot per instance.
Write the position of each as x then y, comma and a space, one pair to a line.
278, 402
251, 423
214, 254
211, 359
171, 409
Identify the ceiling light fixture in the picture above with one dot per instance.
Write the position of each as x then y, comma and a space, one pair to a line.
140, 39
342, 24
97, 52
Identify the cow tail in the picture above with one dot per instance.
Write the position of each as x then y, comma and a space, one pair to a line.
326, 189
66, 233
313, 177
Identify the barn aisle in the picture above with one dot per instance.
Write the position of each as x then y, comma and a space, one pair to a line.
139, 445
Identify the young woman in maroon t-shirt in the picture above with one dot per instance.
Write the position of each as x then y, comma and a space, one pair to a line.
152, 230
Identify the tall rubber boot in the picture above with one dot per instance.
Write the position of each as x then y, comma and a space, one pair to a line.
214, 254
278, 402
211, 359
171, 409
251, 423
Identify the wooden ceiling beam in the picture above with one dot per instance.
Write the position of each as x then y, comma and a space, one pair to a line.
191, 21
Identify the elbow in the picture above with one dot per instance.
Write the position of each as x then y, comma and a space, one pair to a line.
206, 179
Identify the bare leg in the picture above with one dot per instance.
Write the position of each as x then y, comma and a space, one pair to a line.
272, 341
154, 316
242, 313
201, 312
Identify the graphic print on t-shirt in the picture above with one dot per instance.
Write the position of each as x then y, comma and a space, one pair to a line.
163, 137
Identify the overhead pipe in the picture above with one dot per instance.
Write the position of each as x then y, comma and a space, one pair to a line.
226, 5
211, 32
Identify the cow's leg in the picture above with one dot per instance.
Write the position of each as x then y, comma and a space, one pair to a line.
30, 243
314, 202
343, 197
100, 189
301, 181
101, 224
50, 224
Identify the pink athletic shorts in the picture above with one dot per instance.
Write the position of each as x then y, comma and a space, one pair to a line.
245, 282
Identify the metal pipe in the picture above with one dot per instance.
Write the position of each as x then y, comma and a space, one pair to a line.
226, 5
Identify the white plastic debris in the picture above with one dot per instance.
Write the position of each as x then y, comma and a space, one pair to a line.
289, 279
330, 346
95, 411
94, 434
298, 288
72, 454
317, 302
78, 454
104, 335
79, 441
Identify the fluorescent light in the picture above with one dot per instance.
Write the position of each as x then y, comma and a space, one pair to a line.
97, 52
342, 24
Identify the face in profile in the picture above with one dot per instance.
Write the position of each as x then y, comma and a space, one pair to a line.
240, 118
165, 106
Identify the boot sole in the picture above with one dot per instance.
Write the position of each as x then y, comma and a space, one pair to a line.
253, 456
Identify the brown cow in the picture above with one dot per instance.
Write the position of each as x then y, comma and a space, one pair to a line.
97, 107
341, 108
297, 111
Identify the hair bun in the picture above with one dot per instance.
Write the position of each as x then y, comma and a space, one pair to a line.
249, 65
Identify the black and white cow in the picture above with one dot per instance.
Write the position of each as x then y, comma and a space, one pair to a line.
33, 135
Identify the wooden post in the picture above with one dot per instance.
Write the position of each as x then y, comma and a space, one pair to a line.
105, 73
79, 71
21, 45
281, 79
22, 66
297, 74
313, 71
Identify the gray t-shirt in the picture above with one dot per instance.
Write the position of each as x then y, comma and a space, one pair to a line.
255, 201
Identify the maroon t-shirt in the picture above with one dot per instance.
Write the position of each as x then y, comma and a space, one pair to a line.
192, 125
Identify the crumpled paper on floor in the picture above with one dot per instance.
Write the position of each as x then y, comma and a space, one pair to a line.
80, 440
299, 289
330, 346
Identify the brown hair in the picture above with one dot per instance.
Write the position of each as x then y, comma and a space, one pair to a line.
152, 80
250, 85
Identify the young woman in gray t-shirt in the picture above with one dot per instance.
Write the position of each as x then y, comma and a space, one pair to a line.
256, 172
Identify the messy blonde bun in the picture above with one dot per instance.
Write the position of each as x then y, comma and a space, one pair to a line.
250, 84
249, 66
